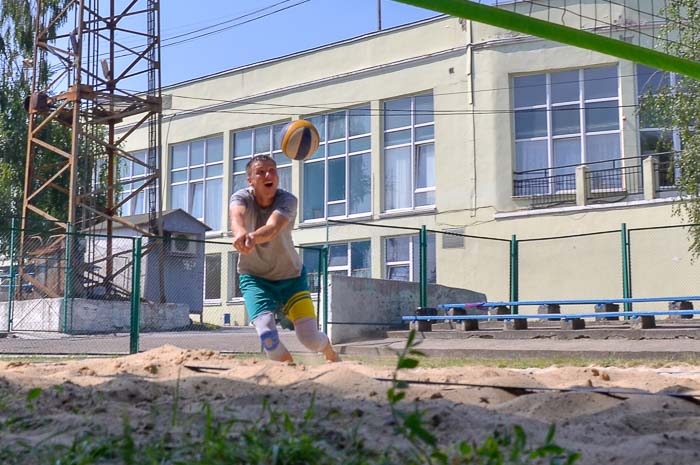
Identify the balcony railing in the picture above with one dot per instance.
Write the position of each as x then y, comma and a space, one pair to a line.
613, 184
605, 181
666, 171
544, 190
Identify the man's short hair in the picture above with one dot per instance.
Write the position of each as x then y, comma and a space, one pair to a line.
261, 158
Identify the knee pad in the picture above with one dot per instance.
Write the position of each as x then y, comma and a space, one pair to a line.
269, 337
309, 335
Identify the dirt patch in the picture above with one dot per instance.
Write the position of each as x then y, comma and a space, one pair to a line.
148, 389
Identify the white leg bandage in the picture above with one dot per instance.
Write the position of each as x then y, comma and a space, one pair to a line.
309, 335
269, 337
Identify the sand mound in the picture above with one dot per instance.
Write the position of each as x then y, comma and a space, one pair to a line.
99, 394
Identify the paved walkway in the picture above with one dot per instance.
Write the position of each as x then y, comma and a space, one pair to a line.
677, 349
244, 340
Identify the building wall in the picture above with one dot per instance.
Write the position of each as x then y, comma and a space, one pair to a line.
469, 70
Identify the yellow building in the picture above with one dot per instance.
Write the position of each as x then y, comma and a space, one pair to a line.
447, 124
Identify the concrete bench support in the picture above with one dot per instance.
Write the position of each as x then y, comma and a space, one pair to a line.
680, 305
500, 310
602, 308
423, 326
573, 324
549, 309
644, 322
516, 324
468, 325
456, 312
463, 325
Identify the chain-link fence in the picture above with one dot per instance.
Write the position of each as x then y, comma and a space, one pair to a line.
583, 266
483, 263
69, 293
407, 267
57, 286
661, 264
72, 293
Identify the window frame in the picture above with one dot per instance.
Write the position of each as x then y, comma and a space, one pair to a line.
674, 132
413, 260
233, 290
349, 271
205, 180
549, 107
275, 151
326, 159
211, 301
130, 182
413, 146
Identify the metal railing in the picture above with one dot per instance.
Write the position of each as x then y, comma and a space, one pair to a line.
616, 183
667, 170
545, 190
606, 180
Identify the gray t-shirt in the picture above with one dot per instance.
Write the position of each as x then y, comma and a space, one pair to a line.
277, 259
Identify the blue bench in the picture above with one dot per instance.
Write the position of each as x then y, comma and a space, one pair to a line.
644, 319
621, 300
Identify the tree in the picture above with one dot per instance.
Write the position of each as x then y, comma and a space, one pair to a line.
16, 47
677, 108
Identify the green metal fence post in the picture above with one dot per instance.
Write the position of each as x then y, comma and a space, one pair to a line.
11, 289
67, 279
317, 282
514, 272
626, 283
324, 263
135, 296
423, 240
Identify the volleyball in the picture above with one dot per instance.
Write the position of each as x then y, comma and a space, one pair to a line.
300, 139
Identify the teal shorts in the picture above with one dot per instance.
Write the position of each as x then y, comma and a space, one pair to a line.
290, 296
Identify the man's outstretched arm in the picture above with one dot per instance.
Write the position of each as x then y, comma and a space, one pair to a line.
276, 223
238, 229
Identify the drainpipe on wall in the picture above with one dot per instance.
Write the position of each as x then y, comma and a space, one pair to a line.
470, 95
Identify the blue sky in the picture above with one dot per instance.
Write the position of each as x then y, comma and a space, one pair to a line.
309, 24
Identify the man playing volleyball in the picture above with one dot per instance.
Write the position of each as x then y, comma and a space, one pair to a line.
270, 269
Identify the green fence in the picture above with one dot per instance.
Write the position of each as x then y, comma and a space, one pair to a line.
69, 293
74, 293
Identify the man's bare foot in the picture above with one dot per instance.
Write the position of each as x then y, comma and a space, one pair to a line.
330, 354
286, 357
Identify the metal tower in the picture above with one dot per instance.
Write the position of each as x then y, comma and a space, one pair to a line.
105, 72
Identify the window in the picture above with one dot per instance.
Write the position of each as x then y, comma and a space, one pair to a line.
263, 140
131, 176
234, 291
337, 177
654, 139
564, 119
212, 278
196, 179
402, 258
347, 258
409, 153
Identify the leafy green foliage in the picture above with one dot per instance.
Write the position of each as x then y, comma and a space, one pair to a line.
16, 56
32, 395
677, 108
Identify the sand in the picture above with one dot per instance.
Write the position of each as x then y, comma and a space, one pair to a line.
97, 394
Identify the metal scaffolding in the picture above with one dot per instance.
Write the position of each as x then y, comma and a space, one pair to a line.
104, 69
